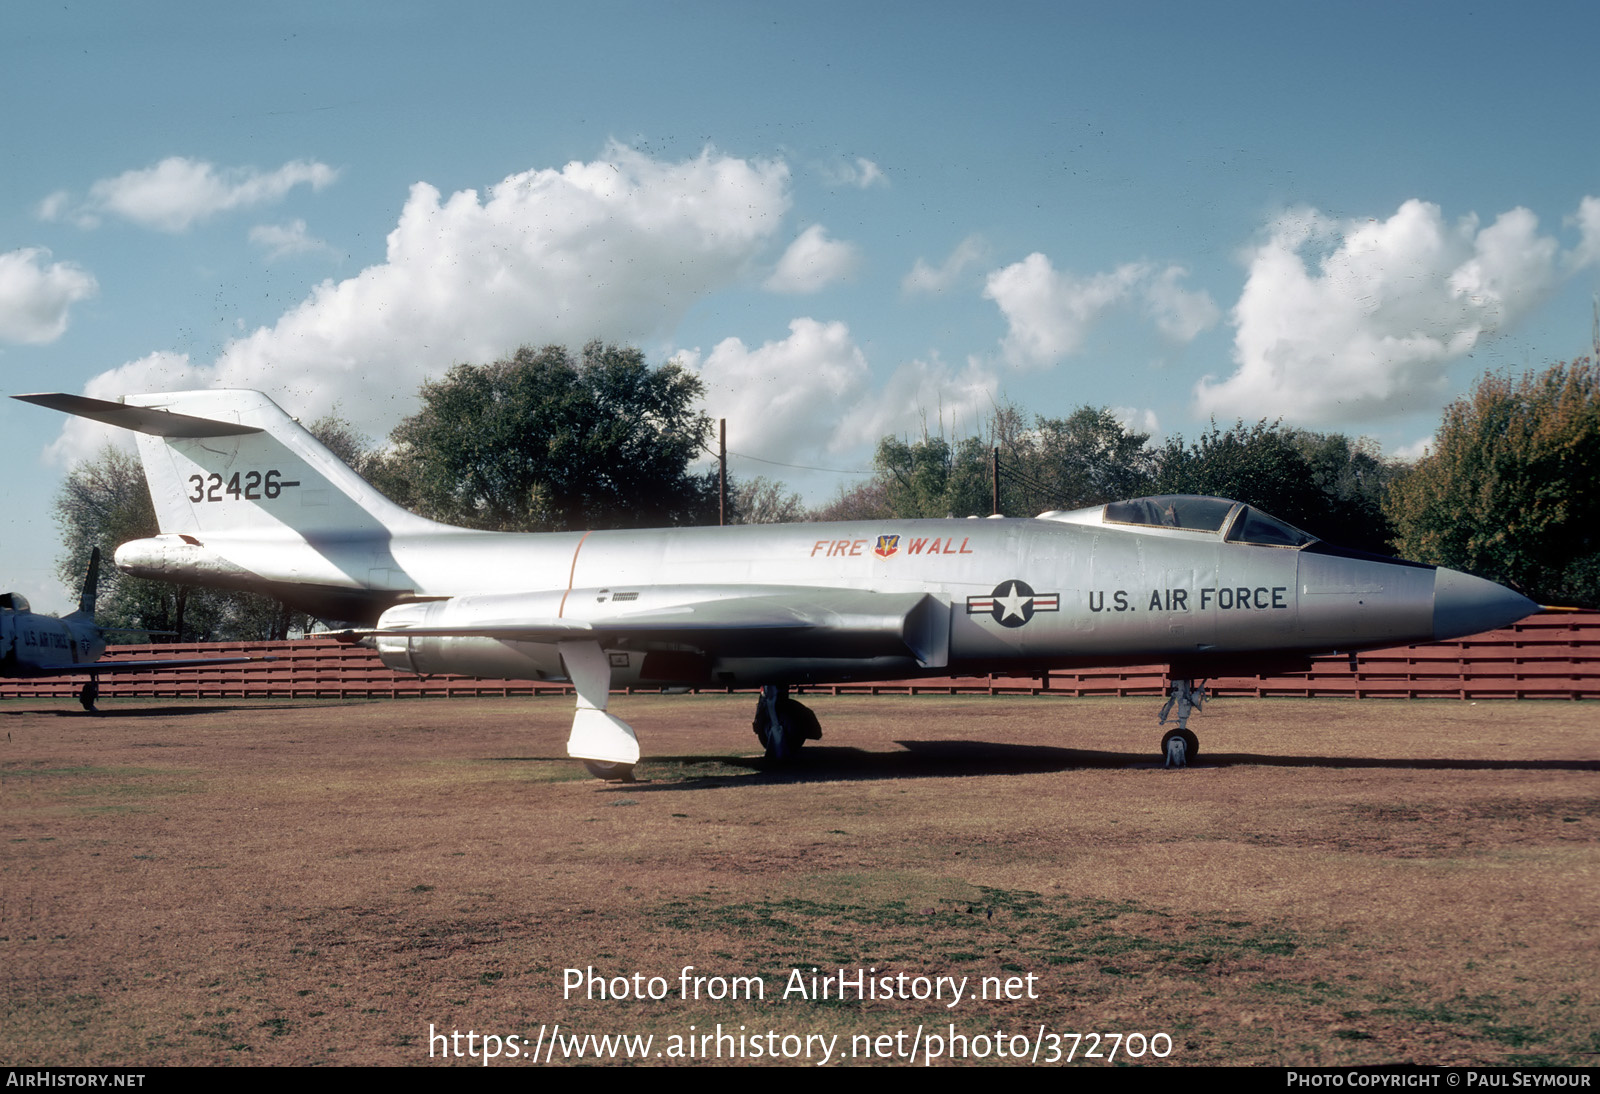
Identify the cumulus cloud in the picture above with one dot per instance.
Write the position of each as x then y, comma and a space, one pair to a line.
179, 192
1344, 321
1587, 221
812, 262
782, 399
36, 294
924, 278
1136, 420
1049, 313
922, 394
283, 240
1411, 453
1182, 315
618, 249
863, 174
811, 397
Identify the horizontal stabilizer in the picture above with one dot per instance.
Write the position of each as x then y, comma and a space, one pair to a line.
157, 423
95, 668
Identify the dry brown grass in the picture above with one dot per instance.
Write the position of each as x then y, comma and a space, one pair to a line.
1337, 882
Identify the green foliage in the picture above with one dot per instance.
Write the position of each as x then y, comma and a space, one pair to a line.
342, 439
1258, 464
104, 502
1325, 483
1084, 459
1511, 489
101, 503
866, 501
934, 478
542, 441
764, 501
1087, 458
1352, 479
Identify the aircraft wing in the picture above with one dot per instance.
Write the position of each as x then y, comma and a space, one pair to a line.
98, 667
830, 623
159, 423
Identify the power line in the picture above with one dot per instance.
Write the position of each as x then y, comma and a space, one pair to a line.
798, 466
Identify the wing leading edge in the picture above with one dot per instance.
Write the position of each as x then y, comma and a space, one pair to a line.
833, 623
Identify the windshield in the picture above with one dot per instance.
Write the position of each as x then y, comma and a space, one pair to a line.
1199, 513
1192, 511
1254, 526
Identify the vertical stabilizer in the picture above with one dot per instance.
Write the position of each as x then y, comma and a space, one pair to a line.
221, 462
91, 583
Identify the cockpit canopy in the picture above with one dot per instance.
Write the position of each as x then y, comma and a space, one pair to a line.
1238, 523
14, 602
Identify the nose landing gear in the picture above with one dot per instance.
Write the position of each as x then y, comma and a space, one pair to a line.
1180, 746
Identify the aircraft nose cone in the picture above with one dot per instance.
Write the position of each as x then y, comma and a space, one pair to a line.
1463, 605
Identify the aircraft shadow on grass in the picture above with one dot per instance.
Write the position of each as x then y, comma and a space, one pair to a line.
135, 712
945, 759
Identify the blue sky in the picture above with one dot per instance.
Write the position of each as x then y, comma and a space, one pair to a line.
851, 219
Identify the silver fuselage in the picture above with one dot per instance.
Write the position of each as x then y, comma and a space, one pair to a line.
1017, 595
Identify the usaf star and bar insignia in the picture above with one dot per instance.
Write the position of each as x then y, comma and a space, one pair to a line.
1013, 603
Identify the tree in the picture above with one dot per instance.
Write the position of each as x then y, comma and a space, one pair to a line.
1257, 464
865, 501
765, 501
1059, 463
935, 478
542, 441
1353, 479
1511, 488
1324, 483
104, 502
1086, 458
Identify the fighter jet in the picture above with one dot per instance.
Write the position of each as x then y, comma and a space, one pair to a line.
246, 498
34, 645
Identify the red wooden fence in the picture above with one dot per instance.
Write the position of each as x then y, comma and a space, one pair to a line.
1548, 656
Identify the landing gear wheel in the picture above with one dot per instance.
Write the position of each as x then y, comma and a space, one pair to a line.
610, 771
1180, 747
90, 692
783, 725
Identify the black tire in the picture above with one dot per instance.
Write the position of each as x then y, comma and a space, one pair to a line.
797, 724
1191, 745
610, 771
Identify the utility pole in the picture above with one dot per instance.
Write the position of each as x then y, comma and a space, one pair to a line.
722, 471
996, 465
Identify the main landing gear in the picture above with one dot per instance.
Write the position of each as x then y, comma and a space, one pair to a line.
783, 725
90, 692
1180, 746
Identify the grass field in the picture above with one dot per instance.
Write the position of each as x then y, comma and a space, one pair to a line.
1336, 882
